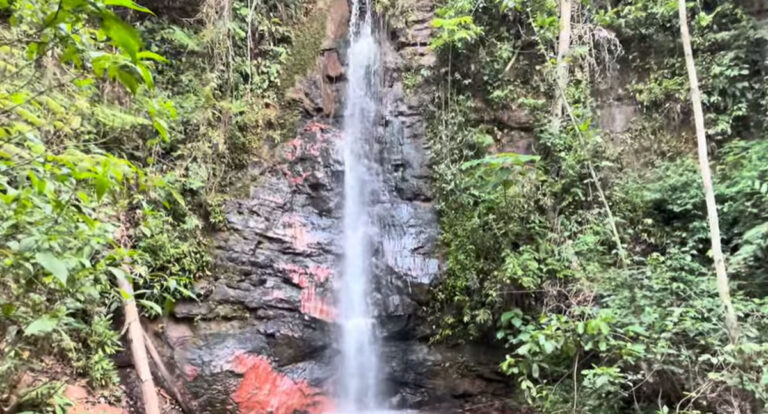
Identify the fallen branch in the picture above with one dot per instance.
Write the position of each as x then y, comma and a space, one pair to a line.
167, 377
138, 351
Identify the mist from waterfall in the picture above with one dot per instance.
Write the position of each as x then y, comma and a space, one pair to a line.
359, 365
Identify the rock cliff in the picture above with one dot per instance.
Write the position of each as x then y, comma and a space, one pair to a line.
261, 338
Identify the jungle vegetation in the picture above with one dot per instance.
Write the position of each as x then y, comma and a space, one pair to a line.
122, 128
587, 255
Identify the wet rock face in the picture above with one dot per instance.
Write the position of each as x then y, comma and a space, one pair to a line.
261, 339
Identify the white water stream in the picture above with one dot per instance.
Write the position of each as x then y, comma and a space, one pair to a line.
359, 373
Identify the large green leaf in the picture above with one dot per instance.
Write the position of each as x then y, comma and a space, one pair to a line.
146, 54
129, 4
53, 265
42, 325
152, 307
102, 184
125, 37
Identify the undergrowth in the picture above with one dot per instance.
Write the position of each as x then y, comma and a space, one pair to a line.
594, 324
120, 129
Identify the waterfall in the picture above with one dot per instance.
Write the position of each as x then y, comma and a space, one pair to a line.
359, 365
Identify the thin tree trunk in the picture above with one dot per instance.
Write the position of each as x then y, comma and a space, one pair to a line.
731, 323
611, 219
138, 350
561, 103
561, 71
167, 377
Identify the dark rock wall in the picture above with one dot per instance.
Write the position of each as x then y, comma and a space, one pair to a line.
261, 339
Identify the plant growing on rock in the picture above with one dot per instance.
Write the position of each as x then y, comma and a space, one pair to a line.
110, 163
588, 330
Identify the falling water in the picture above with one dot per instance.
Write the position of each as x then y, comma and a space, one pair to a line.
359, 365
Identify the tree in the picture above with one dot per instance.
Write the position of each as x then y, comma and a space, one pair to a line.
561, 71
60, 196
561, 103
731, 324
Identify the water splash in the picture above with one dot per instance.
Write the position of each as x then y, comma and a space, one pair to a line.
358, 389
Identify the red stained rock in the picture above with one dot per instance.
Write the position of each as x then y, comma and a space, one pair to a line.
79, 396
316, 126
319, 307
312, 303
191, 371
320, 273
293, 226
75, 393
264, 390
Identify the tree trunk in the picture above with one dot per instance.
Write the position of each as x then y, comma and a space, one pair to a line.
138, 350
561, 71
561, 103
167, 377
731, 323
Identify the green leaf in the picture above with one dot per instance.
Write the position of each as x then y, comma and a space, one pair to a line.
41, 325
8, 309
506, 316
102, 185
125, 37
125, 295
128, 80
154, 308
146, 74
129, 4
53, 265
119, 274
161, 127
179, 199
146, 54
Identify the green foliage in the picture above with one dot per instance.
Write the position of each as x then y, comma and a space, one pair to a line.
654, 325
456, 31
526, 240
50, 395
731, 71
171, 257
665, 208
396, 12
115, 139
